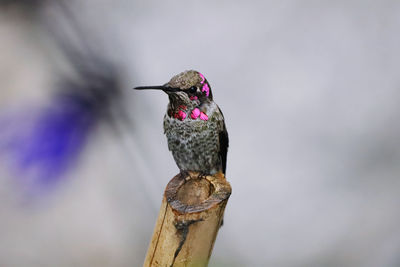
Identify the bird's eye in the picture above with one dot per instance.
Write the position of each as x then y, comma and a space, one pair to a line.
193, 89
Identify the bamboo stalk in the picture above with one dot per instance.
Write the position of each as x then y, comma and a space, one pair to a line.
190, 216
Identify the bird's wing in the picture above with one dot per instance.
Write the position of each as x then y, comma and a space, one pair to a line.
223, 143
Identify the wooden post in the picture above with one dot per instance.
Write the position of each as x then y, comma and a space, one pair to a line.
190, 216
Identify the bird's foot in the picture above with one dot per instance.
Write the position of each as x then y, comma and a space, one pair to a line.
184, 175
202, 175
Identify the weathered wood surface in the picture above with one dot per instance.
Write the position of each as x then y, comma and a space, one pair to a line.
190, 216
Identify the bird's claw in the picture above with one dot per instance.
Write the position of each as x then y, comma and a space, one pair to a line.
202, 175
184, 175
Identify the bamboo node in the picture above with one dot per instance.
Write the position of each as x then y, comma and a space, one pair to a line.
194, 193
189, 219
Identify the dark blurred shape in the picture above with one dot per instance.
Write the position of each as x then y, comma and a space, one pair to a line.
26, 5
44, 149
20, 2
59, 131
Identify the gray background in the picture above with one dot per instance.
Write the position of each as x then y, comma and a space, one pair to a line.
310, 94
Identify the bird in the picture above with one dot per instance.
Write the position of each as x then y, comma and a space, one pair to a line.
194, 125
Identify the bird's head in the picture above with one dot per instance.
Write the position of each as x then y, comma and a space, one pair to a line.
187, 88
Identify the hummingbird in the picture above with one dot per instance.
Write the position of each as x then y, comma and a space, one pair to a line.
194, 124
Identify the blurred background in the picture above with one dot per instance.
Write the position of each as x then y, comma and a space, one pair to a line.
310, 93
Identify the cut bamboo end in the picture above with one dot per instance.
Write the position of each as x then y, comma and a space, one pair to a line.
190, 216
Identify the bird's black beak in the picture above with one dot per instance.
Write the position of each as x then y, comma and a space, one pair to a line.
158, 87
